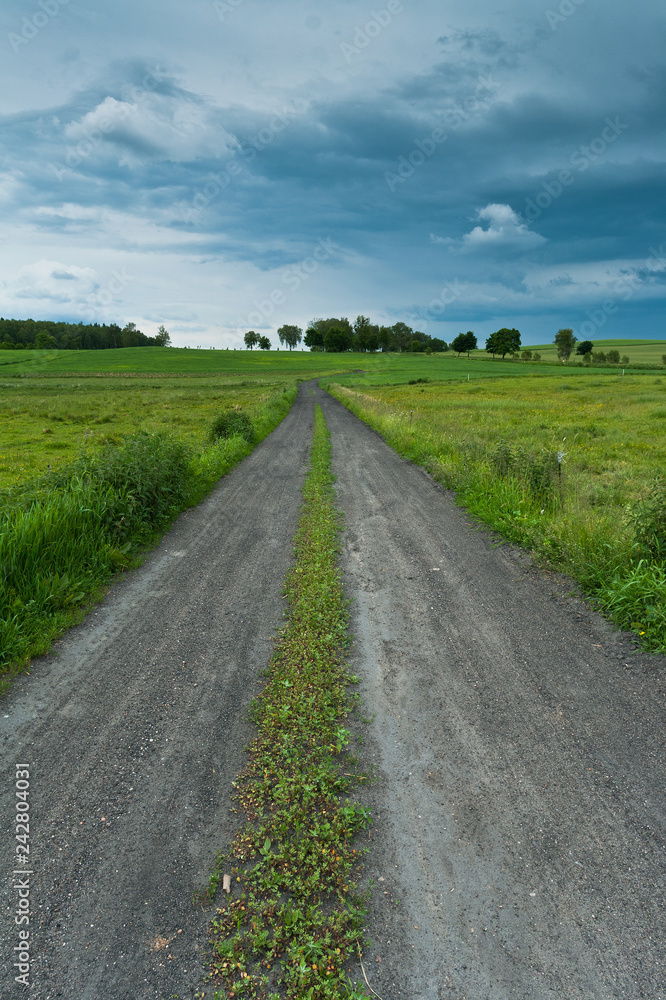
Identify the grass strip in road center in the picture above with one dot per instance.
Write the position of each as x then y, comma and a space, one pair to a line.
294, 917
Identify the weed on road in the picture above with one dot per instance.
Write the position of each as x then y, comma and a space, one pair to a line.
294, 917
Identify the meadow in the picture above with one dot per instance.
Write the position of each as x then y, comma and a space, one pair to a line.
94, 471
100, 450
46, 422
599, 514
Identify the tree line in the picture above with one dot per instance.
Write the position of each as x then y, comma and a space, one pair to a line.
336, 335
42, 335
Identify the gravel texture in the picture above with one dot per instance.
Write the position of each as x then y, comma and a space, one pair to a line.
134, 728
517, 849
519, 746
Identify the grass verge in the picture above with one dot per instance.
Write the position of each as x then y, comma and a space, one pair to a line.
294, 916
64, 536
599, 516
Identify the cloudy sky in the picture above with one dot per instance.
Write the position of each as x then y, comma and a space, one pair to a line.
221, 165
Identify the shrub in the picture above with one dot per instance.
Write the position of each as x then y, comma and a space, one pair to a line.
536, 356
648, 519
614, 357
536, 472
526, 355
232, 422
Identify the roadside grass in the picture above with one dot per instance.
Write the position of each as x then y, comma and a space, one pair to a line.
64, 535
294, 916
496, 443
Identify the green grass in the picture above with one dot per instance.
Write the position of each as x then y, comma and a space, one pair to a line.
639, 352
49, 422
64, 535
294, 917
496, 443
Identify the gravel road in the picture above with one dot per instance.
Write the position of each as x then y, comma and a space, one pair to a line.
518, 743
134, 728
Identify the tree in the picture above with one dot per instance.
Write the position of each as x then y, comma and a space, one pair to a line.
614, 357
504, 341
384, 337
264, 344
314, 339
464, 342
417, 346
565, 343
251, 339
366, 334
403, 336
163, 338
290, 335
337, 340
459, 344
584, 347
44, 341
438, 345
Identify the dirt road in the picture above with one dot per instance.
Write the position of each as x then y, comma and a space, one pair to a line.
134, 728
518, 843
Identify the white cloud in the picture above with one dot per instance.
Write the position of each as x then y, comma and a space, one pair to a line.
505, 229
49, 279
176, 129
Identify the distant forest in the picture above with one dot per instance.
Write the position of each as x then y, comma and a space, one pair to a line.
41, 335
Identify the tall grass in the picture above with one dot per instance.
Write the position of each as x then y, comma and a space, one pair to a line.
63, 536
600, 516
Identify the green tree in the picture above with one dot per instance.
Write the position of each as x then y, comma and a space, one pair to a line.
565, 343
438, 345
464, 342
251, 339
264, 344
504, 341
44, 341
459, 344
384, 337
337, 340
614, 357
163, 338
314, 339
402, 336
584, 347
290, 335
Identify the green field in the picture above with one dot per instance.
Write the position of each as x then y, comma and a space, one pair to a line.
55, 403
45, 422
87, 439
600, 515
639, 352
